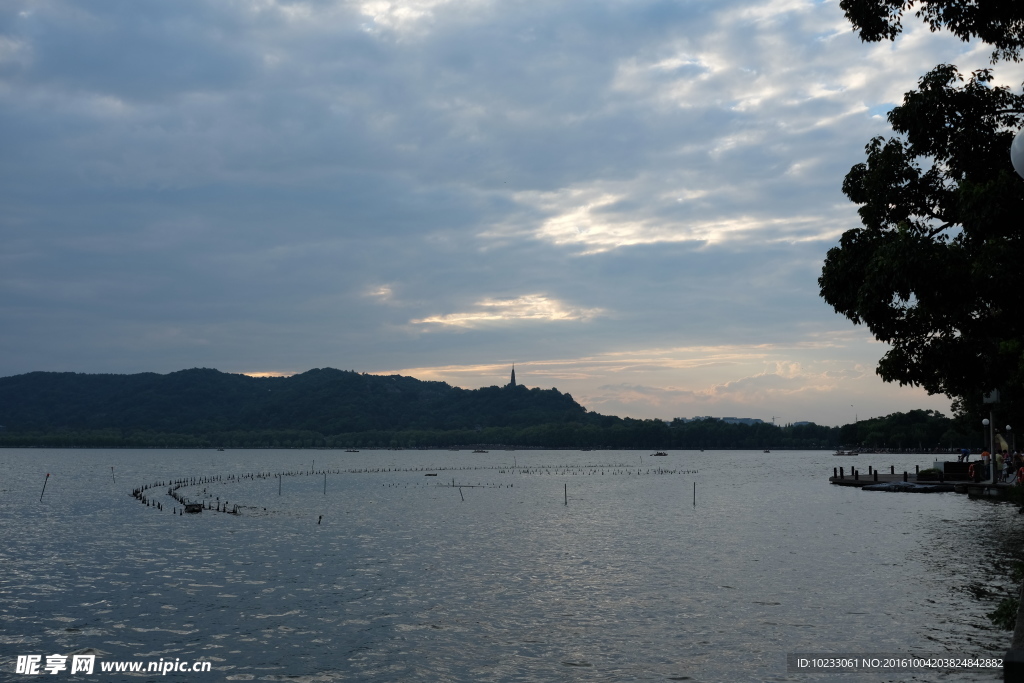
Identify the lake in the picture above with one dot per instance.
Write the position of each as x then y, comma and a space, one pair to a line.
496, 578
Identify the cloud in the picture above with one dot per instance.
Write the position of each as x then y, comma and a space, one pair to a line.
825, 380
532, 307
382, 293
305, 184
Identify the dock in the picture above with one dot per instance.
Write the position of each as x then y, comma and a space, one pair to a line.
878, 478
954, 474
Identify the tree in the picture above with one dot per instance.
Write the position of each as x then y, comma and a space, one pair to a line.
933, 271
999, 23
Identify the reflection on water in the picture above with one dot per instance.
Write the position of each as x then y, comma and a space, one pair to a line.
409, 578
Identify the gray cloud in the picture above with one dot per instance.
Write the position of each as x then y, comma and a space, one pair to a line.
235, 184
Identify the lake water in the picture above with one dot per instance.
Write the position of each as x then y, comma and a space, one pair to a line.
408, 578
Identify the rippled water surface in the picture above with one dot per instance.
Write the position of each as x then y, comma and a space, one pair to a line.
409, 578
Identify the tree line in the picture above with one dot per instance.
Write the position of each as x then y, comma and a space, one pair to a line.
917, 430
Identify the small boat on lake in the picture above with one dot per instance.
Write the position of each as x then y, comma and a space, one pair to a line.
846, 453
658, 454
480, 451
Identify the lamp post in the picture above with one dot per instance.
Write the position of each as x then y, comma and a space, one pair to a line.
1017, 153
991, 445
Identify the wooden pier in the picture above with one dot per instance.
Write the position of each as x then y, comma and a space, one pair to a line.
865, 479
957, 478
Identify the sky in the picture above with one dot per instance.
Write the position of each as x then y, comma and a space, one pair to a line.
631, 200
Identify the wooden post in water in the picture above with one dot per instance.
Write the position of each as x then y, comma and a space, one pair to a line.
44, 487
566, 494
904, 475
694, 494
112, 475
461, 496
279, 484
892, 469
875, 475
325, 485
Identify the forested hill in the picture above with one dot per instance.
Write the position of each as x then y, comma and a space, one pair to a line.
343, 409
327, 401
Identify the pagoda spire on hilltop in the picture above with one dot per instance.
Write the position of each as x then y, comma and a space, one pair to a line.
513, 382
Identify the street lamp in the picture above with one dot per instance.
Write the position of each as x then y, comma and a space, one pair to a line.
1017, 153
991, 445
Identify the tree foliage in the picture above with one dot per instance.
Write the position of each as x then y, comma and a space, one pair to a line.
917, 429
999, 23
933, 269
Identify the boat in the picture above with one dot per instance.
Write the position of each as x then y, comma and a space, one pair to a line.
846, 453
351, 450
430, 474
767, 451
658, 454
480, 451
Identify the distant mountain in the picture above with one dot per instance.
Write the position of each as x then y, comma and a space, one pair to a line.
330, 408
327, 401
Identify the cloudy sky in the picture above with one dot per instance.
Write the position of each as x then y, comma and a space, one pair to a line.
630, 199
